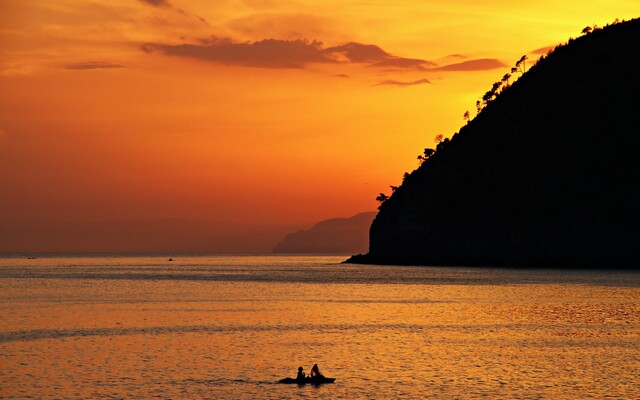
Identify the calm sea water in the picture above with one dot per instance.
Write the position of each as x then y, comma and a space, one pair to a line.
230, 327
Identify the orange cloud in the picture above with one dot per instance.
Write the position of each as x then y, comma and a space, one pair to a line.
481, 64
157, 3
275, 53
400, 83
267, 53
93, 65
543, 50
375, 56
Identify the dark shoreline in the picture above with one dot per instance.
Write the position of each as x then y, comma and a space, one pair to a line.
367, 259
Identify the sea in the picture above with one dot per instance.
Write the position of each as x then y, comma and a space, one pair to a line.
229, 327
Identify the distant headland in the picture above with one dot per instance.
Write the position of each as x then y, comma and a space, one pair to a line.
332, 236
547, 174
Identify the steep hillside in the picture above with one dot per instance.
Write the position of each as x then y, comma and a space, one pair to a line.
333, 236
548, 174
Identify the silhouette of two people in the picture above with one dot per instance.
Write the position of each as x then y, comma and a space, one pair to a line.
314, 374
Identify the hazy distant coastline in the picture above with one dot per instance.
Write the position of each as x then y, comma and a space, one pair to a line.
171, 236
140, 236
332, 236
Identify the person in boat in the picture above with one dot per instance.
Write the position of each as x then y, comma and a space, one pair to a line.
300, 377
315, 372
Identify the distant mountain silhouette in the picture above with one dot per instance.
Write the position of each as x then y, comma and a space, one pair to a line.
547, 175
333, 236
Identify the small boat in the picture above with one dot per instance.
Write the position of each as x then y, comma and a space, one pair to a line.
309, 380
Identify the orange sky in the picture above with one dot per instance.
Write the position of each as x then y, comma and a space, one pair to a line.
251, 112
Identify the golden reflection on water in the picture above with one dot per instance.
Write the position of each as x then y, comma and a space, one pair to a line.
468, 334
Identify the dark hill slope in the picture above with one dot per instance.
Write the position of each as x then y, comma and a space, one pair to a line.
547, 175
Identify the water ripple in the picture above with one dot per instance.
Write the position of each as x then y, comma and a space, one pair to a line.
564, 330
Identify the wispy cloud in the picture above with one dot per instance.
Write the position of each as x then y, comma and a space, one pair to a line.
276, 53
157, 3
373, 55
481, 64
285, 26
543, 50
268, 53
93, 65
402, 83
166, 4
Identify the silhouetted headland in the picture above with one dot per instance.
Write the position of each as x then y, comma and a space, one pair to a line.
546, 175
332, 236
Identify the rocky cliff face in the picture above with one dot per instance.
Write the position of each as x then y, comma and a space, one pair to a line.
548, 174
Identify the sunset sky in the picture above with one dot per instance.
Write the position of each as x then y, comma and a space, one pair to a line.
261, 113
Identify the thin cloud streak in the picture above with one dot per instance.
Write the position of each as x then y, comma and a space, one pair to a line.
543, 50
93, 65
401, 83
481, 64
166, 4
157, 3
